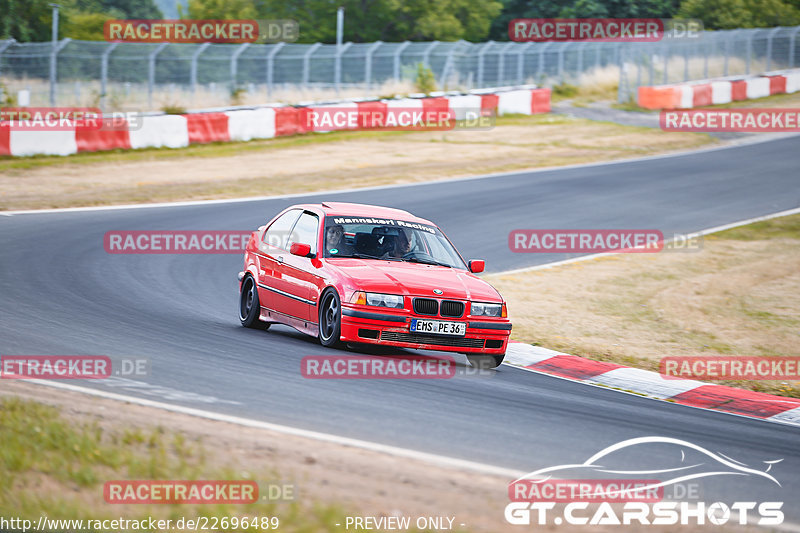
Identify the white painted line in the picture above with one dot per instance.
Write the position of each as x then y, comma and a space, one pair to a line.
700, 233
438, 460
644, 381
755, 140
524, 354
142, 387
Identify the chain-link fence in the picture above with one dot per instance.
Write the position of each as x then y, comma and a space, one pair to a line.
128, 75
713, 54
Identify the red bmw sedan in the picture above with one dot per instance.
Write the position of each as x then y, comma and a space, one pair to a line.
353, 273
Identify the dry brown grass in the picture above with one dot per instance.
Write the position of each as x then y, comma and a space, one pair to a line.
339, 160
735, 297
133, 97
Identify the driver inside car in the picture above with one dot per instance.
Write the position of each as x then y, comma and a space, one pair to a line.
402, 245
335, 241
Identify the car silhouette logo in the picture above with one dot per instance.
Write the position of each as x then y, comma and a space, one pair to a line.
438, 291
695, 462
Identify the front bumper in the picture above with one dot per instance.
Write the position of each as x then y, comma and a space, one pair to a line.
392, 329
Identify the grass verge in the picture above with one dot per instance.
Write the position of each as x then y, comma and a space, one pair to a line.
56, 467
737, 296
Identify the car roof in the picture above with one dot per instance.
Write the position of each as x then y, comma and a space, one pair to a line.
364, 210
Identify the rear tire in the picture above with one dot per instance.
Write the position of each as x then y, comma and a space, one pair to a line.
483, 361
249, 306
330, 318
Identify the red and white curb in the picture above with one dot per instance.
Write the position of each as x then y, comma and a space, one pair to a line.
718, 91
263, 122
651, 384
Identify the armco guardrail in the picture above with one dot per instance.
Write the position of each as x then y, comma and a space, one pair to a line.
176, 131
718, 91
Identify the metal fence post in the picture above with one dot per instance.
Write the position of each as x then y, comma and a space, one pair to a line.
151, 73
448, 64
337, 74
54, 65
579, 69
481, 53
638, 60
501, 63
749, 52
623, 78
307, 62
368, 64
769, 46
426, 55
791, 47
728, 41
271, 65
397, 54
597, 48
193, 71
235, 63
685, 63
561, 62
3, 46
521, 62
104, 72
540, 69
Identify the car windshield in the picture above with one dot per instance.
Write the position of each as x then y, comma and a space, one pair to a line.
388, 239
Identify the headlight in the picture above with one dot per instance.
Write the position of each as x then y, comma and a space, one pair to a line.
482, 309
375, 299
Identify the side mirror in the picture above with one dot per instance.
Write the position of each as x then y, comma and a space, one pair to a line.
476, 265
300, 249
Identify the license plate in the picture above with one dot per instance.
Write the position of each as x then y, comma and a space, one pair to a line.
437, 327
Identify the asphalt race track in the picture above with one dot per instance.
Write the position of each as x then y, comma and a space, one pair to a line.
61, 293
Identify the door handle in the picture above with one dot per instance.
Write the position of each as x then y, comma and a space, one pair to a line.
280, 259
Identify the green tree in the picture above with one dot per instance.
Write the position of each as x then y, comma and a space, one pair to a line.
365, 20
31, 20
514, 9
731, 14
85, 26
123, 9
25, 20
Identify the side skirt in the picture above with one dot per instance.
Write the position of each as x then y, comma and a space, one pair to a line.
303, 326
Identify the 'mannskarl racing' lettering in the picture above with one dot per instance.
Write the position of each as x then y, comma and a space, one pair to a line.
384, 222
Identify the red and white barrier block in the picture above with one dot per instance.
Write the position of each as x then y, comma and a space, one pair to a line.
683, 391
177, 131
723, 91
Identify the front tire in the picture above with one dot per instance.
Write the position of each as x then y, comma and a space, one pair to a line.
249, 306
330, 318
482, 361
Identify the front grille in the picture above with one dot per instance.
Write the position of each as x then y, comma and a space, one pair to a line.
452, 308
426, 306
398, 336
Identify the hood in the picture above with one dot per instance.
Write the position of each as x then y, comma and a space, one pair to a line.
414, 279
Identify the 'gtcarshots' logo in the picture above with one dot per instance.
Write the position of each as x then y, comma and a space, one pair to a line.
605, 490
